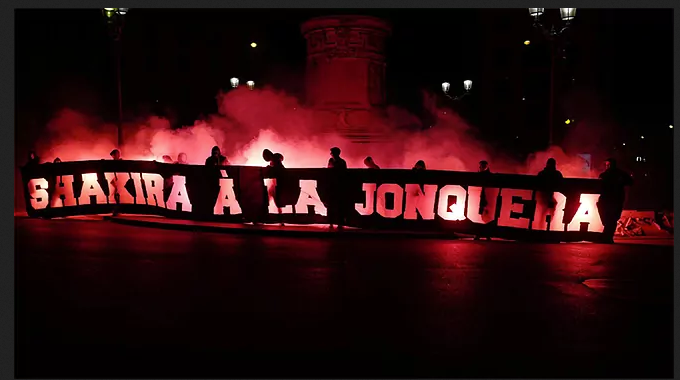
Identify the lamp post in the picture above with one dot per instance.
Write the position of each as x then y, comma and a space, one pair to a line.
467, 86
553, 35
115, 19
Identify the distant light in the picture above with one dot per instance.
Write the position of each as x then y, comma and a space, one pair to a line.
250, 84
535, 12
568, 14
624, 144
156, 100
445, 87
670, 126
527, 42
524, 98
122, 11
234, 82
516, 137
253, 45
642, 137
568, 121
467, 84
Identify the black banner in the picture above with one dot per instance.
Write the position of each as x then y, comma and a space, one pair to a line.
495, 205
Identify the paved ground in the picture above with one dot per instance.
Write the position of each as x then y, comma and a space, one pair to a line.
97, 299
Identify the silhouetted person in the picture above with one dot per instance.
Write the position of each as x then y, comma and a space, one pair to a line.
167, 159
550, 174
267, 155
216, 158
549, 180
33, 159
57, 160
420, 165
182, 159
337, 206
483, 202
115, 154
612, 196
336, 162
275, 171
277, 161
368, 161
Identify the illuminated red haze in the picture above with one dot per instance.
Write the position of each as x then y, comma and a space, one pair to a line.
250, 121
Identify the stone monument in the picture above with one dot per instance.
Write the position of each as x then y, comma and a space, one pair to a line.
345, 74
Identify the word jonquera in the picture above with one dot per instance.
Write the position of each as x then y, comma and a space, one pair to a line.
450, 202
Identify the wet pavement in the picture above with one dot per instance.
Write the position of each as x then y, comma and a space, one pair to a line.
99, 299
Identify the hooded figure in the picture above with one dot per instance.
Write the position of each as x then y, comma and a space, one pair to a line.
368, 161
420, 165
612, 197
216, 158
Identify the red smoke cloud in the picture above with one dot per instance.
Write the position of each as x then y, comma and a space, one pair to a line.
250, 121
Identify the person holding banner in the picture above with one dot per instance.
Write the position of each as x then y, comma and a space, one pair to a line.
337, 207
368, 161
182, 159
420, 165
549, 180
484, 172
612, 197
216, 158
115, 155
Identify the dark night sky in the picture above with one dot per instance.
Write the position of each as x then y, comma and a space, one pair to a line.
182, 58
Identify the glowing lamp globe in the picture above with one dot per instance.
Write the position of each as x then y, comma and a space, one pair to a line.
446, 86
253, 45
467, 85
108, 12
568, 14
250, 84
536, 12
234, 82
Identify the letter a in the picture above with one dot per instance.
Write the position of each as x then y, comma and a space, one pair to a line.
178, 194
226, 198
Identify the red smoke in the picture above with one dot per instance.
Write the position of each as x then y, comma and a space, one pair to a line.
250, 121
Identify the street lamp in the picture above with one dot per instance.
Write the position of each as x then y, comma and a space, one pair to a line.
234, 82
553, 35
467, 86
115, 19
250, 84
